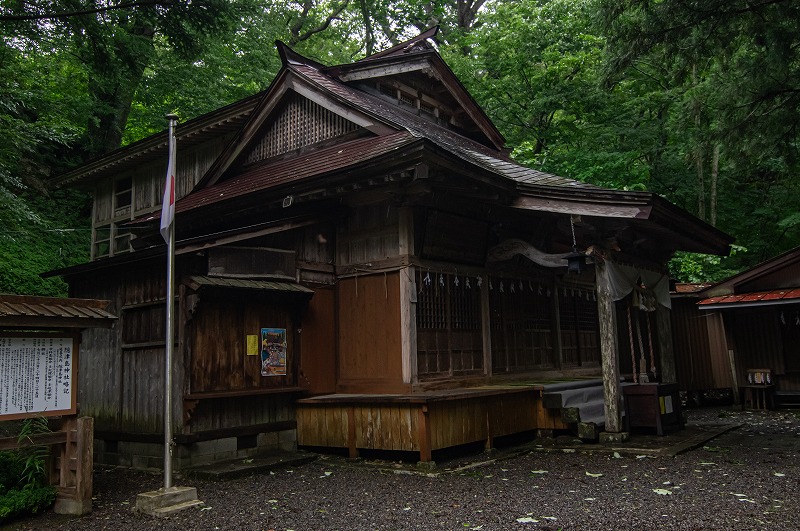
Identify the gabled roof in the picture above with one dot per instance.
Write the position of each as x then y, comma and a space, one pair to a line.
394, 127
281, 172
418, 56
391, 138
773, 276
418, 43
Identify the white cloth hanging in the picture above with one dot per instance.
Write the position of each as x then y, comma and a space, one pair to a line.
623, 279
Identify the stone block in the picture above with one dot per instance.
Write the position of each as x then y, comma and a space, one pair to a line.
287, 440
607, 437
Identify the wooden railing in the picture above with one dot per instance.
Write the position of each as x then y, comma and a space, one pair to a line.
71, 447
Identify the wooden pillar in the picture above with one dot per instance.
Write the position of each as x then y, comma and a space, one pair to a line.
557, 343
424, 435
408, 296
608, 349
486, 327
75, 463
352, 449
665, 348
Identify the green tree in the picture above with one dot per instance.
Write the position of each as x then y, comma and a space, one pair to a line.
736, 64
115, 45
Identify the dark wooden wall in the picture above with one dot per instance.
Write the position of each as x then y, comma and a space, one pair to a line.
218, 359
370, 356
318, 343
691, 345
121, 369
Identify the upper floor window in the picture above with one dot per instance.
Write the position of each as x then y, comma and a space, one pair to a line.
123, 196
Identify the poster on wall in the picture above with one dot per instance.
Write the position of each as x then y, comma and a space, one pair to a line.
36, 376
273, 352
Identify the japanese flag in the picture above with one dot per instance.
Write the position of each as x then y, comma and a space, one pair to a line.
168, 203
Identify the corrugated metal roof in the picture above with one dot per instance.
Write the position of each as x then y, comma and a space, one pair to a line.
198, 281
338, 157
761, 298
20, 310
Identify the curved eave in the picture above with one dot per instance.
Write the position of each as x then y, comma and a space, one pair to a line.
679, 229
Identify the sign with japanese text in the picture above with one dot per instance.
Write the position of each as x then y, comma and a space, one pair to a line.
36, 376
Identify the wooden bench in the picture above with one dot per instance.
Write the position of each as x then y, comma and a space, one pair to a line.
758, 389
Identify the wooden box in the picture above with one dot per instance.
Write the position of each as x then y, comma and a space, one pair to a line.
653, 405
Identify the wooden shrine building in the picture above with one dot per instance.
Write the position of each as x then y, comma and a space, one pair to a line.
361, 265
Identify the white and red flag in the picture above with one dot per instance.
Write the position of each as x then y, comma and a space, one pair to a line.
168, 203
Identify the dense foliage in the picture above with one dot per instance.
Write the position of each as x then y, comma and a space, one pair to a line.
694, 100
23, 476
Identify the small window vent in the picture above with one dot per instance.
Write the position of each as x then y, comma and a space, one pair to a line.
252, 262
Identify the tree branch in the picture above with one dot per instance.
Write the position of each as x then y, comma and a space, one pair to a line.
87, 11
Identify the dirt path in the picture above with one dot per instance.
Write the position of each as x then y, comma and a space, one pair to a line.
745, 479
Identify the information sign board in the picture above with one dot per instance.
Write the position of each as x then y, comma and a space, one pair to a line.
37, 374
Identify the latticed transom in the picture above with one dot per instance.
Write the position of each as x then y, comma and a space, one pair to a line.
300, 123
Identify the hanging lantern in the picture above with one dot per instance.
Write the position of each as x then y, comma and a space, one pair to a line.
575, 260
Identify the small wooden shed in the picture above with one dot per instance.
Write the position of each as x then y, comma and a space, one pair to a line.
758, 312
420, 277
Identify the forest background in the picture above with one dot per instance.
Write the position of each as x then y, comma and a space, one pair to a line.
696, 100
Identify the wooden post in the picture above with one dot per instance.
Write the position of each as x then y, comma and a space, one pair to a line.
75, 483
558, 349
665, 348
486, 327
408, 296
608, 349
352, 449
424, 435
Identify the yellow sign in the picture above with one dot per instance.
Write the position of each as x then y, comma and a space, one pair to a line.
252, 345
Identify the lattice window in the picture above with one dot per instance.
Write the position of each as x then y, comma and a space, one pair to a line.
580, 342
301, 123
449, 338
521, 321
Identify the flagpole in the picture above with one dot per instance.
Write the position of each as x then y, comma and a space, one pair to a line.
169, 195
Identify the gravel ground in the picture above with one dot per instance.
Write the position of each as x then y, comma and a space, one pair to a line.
747, 478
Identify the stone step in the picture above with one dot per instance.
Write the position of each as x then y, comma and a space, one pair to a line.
572, 397
163, 512
155, 500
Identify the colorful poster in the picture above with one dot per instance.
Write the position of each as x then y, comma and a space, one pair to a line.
273, 352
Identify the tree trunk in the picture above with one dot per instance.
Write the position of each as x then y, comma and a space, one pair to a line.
713, 185
369, 34
115, 75
699, 151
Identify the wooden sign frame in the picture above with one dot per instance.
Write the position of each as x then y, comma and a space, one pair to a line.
74, 340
